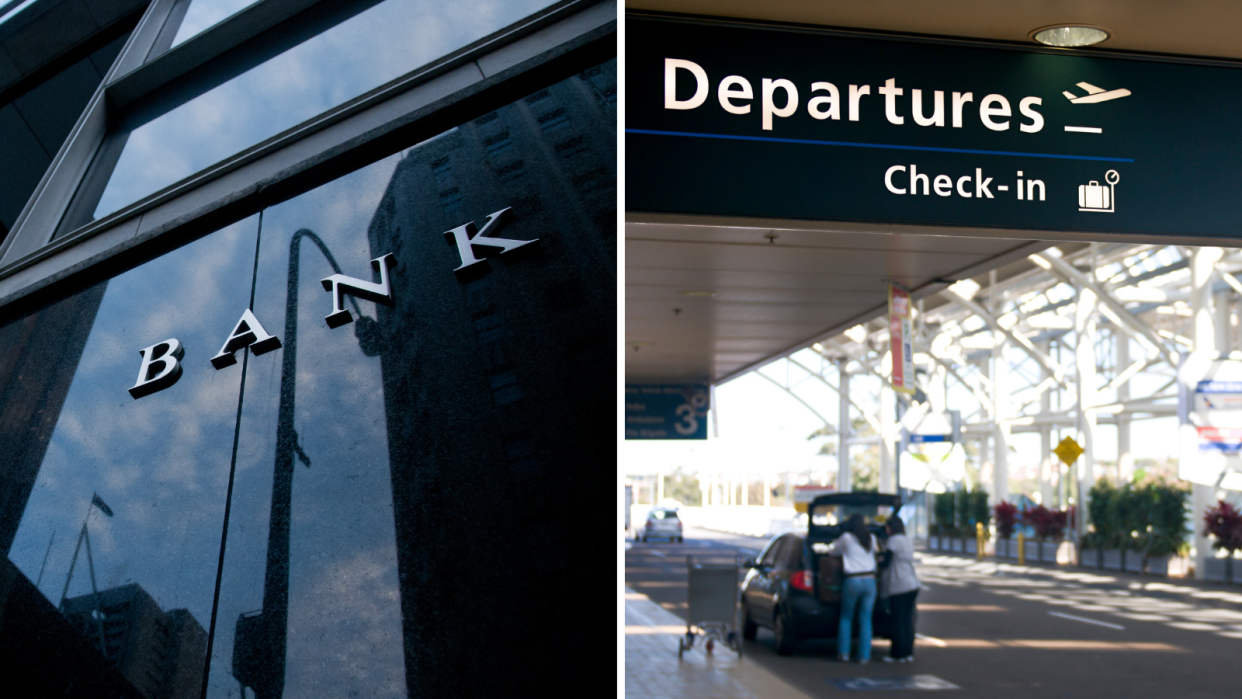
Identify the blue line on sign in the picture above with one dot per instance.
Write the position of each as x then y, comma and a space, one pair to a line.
885, 146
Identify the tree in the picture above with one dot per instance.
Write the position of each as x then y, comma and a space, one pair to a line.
1223, 522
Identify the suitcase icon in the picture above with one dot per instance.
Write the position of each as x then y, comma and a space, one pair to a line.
1096, 197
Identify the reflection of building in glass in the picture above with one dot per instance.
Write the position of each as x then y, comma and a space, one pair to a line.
500, 390
160, 652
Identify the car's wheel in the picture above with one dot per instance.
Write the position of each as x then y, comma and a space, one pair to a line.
749, 628
784, 635
644, 539
681, 539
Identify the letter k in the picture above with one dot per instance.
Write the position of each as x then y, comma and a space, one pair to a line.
981, 185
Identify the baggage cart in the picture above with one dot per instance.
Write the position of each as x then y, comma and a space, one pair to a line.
712, 595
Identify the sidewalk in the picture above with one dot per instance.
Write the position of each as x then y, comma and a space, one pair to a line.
652, 670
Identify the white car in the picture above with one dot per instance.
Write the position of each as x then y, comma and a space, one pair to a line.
661, 522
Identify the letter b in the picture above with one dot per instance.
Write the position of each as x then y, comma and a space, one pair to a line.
164, 357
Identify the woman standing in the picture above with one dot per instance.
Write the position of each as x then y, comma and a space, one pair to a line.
857, 548
900, 586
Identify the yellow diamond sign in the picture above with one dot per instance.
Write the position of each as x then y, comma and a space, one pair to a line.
1068, 451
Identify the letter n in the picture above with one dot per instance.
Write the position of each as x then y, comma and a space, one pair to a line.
339, 285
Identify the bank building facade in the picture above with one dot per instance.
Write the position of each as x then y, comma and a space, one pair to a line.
307, 347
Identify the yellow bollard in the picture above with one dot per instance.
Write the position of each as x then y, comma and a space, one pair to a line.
979, 540
1021, 549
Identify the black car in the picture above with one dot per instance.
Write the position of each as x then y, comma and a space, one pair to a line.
794, 588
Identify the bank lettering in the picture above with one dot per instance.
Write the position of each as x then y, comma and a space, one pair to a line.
161, 363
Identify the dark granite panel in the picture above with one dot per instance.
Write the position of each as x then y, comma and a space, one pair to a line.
24, 160
56, 31
52, 108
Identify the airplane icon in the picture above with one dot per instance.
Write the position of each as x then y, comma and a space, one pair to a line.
1095, 94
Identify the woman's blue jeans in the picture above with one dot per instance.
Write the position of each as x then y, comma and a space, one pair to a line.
857, 594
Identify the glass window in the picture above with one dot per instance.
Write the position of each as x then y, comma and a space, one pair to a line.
772, 553
203, 14
664, 514
361, 53
117, 502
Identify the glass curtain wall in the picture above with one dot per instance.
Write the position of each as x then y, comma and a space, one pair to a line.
363, 509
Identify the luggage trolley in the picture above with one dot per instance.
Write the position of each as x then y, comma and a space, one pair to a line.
713, 606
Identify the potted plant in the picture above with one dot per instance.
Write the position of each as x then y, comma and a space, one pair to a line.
1223, 522
1049, 525
1006, 519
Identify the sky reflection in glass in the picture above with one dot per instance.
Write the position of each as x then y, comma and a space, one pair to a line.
364, 52
203, 14
160, 463
341, 554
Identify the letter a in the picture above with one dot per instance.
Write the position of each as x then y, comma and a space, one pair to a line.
165, 356
248, 332
339, 285
466, 238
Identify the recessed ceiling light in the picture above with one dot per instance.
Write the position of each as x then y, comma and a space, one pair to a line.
697, 293
1070, 35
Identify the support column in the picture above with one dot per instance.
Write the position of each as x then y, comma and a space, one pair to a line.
659, 487
1045, 438
843, 430
888, 409
1000, 430
1202, 264
1125, 459
767, 490
1084, 351
745, 489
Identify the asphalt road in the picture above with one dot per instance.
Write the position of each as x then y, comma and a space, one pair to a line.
1004, 631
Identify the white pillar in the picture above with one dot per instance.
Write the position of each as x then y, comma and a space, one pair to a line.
1045, 437
745, 489
1202, 263
659, 489
767, 490
843, 431
888, 409
1084, 352
1000, 430
1125, 459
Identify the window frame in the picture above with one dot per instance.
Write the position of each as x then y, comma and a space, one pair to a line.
38, 260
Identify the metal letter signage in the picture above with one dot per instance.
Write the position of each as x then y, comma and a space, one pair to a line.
756, 122
161, 365
248, 332
162, 356
467, 236
339, 285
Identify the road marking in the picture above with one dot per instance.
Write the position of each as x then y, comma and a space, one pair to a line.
933, 641
1085, 620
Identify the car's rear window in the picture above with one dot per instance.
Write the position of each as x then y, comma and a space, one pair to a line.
663, 514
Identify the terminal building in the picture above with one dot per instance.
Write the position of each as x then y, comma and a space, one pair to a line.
307, 346
902, 214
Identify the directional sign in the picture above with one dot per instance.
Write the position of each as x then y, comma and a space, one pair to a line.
758, 122
1068, 451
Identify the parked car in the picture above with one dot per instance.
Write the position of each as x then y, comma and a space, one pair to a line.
794, 587
661, 522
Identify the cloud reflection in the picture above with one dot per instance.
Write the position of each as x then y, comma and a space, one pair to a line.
364, 52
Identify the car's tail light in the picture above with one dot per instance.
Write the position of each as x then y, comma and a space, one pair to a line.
648, 525
802, 580
679, 524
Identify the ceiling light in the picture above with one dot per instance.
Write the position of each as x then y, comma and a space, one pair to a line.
1070, 35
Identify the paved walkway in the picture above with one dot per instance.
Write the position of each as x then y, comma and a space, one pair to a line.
653, 671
